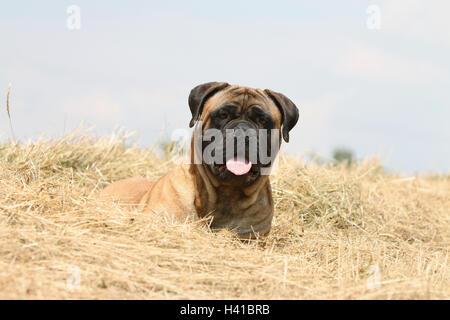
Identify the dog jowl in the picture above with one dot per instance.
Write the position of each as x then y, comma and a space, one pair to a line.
238, 132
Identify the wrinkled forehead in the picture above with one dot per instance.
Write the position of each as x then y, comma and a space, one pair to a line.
243, 98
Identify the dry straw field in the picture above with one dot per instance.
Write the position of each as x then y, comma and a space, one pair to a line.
338, 232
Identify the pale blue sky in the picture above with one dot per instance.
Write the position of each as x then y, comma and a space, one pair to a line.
380, 92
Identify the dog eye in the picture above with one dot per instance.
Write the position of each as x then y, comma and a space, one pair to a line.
223, 115
262, 121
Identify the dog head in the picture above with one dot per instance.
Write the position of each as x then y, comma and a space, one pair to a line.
240, 130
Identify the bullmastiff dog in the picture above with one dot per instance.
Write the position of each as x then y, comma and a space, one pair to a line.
231, 188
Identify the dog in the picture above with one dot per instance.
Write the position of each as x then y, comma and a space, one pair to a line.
229, 188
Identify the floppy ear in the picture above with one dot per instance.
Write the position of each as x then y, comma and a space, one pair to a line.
199, 95
288, 109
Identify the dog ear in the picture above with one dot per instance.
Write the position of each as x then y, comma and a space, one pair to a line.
288, 109
199, 95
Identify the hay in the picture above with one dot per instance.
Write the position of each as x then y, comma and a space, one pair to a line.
338, 232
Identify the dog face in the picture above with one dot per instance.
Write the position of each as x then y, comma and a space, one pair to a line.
245, 123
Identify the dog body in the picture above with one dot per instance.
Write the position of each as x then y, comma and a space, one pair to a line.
236, 195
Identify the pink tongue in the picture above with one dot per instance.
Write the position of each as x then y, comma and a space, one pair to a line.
238, 167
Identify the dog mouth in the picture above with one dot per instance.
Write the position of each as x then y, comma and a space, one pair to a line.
237, 168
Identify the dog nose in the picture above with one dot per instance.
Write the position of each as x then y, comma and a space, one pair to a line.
241, 130
241, 140
241, 126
